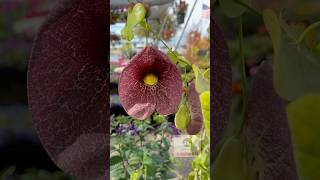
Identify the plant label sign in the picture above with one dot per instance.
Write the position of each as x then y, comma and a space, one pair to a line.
180, 147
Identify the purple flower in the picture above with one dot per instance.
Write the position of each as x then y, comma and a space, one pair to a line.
174, 129
121, 129
133, 130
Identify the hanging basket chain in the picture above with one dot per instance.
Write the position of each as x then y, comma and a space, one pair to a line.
185, 26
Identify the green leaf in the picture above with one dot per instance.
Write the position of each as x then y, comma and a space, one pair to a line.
117, 171
304, 116
178, 59
201, 161
229, 163
296, 68
159, 118
126, 33
231, 8
147, 159
173, 56
273, 25
308, 30
136, 16
115, 160
145, 25
202, 84
182, 117
206, 73
166, 143
191, 176
205, 105
134, 160
136, 175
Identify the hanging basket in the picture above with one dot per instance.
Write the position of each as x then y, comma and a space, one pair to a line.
181, 11
180, 17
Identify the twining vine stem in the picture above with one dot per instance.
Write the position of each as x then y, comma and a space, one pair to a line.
248, 7
185, 26
123, 156
243, 78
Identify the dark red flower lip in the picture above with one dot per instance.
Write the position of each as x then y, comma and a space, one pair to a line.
68, 87
140, 100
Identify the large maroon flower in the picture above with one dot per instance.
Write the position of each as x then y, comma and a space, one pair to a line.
221, 83
267, 129
150, 82
68, 86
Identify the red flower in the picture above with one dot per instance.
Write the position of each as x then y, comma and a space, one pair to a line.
151, 82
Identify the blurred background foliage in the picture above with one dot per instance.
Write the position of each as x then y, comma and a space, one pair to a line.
257, 42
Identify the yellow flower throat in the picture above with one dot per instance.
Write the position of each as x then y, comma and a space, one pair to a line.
150, 79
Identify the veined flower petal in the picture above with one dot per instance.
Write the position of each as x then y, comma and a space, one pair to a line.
68, 87
267, 129
196, 121
221, 83
139, 99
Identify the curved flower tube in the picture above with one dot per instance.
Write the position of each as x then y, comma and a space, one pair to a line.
149, 83
68, 87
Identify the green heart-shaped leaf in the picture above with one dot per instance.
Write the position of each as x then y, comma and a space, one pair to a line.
136, 15
273, 25
202, 84
296, 68
126, 33
205, 105
182, 117
304, 116
229, 163
231, 8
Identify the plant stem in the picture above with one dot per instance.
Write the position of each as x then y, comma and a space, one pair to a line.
170, 50
243, 78
239, 2
307, 30
147, 34
165, 44
123, 158
145, 172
